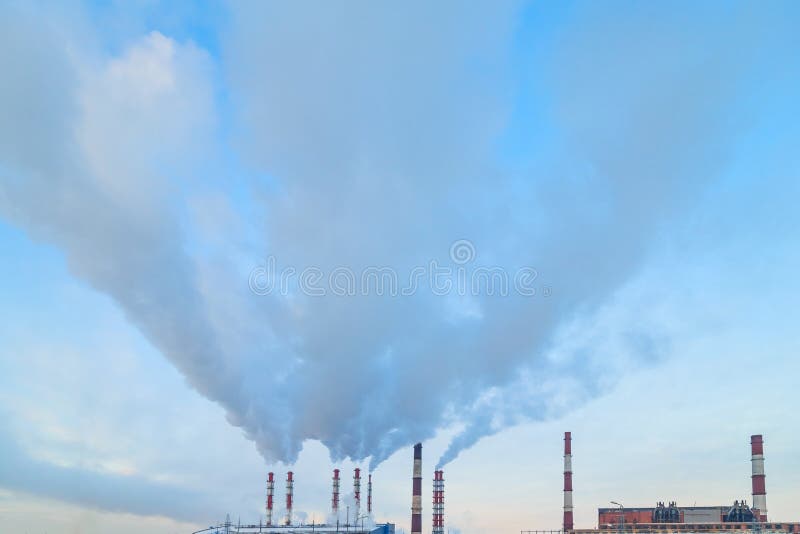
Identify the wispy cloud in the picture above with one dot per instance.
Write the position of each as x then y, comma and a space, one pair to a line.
97, 489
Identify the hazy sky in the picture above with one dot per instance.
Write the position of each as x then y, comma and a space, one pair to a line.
247, 237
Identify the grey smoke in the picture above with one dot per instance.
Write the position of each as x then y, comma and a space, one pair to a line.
380, 142
374, 129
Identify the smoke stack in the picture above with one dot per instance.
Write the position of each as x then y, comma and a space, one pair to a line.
369, 494
435, 505
335, 499
357, 492
568, 526
289, 493
759, 479
416, 499
270, 493
438, 502
441, 501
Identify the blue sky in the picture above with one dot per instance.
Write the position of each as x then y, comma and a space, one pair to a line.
640, 159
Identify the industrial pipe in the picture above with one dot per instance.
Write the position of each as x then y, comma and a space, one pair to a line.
568, 525
369, 494
335, 497
759, 482
416, 498
289, 494
270, 493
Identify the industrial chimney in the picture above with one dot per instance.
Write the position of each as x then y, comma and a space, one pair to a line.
759, 486
335, 498
369, 494
441, 501
435, 505
416, 499
357, 492
289, 493
270, 493
568, 526
438, 502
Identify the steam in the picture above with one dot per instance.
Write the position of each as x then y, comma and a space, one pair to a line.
374, 131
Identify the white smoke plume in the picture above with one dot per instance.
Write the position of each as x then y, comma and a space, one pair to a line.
373, 131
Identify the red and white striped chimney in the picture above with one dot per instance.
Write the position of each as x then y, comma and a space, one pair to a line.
759, 482
369, 494
435, 504
568, 526
441, 501
270, 493
357, 492
438, 502
416, 499
289, 495
335, 498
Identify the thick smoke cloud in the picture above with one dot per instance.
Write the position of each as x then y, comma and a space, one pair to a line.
380, 136
377, 132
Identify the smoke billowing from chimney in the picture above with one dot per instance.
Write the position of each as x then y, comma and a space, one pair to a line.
138, 248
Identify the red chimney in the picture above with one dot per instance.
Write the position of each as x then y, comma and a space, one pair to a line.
335, 498
568, 525
759, 479
416, 499
438, 502
289, 493
270, 493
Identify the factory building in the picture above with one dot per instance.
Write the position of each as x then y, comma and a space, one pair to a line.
738, 512
664, 518
353, 521
671, 518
